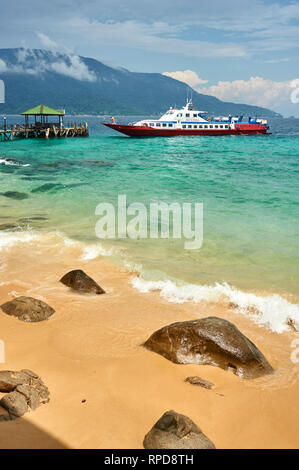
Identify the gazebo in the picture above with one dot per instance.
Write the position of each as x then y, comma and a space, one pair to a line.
41, 115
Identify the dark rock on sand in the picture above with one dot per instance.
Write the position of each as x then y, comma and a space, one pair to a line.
212, 341
176, 431
200, 382
31, 395
79, 280
28, 309
15, 403
15, 195
25, 389
9, 380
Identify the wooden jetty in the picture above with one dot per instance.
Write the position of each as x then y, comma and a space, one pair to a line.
42, 127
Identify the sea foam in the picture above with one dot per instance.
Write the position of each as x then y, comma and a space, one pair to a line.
9, 239
273, 311
12, 161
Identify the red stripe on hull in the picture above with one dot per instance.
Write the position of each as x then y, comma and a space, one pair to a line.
145, 131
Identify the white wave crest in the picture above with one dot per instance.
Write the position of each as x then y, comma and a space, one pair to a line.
13, 162
273, 311
9, 239
93, 251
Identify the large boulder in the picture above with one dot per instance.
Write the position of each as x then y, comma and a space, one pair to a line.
25, 390
176, 431
213, 341
80, 281
28, 309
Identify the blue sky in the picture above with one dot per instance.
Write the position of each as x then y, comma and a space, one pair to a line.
243, 51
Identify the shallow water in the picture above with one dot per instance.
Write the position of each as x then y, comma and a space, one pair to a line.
248, 186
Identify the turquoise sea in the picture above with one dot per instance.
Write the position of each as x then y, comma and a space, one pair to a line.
248, 186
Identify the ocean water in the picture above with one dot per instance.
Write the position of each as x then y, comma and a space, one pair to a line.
248, 186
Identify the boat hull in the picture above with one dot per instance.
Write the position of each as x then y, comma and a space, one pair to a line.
146, 131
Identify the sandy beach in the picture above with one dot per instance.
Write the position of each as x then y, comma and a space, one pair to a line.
106, 390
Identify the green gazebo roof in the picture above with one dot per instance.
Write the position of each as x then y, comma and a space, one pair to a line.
42, 110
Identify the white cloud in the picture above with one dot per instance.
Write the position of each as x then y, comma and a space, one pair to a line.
75, 69
257, 91
46, 41
187, 76
156, 36
33, 62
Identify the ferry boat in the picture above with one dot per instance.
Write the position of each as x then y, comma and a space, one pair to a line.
188, 121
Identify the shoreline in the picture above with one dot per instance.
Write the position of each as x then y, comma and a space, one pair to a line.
90, 349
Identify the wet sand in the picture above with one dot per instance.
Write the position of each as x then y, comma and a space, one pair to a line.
90, 349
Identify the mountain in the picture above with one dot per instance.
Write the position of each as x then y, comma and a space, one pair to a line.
86, 86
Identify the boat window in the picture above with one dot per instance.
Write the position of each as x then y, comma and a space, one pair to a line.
206, 127
195, 127
164, 125
152, 124
179, 115
158, 124
226, 127
200, 127
221, 127
189, 127
187, 114
169, 125
211, 127
184, 127
216, 127
195, 115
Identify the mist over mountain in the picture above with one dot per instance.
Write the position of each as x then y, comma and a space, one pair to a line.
83, 85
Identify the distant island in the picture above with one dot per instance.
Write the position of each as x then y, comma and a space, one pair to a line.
87, 86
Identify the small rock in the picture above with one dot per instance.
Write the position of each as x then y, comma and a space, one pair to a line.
24, 387
80, 281
15, 403
200, 382
28, 309
31, 395
9, 380
176, 431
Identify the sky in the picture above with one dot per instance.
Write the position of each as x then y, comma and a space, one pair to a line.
243, 51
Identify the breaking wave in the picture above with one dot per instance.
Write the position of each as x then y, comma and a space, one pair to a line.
273, 311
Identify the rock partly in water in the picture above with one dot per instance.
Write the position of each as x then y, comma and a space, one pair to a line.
28, 309
15, 195
176, 431
80, 281
199, 382
25, 389
213, 341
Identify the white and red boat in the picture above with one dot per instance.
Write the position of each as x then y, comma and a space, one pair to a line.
188, 121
